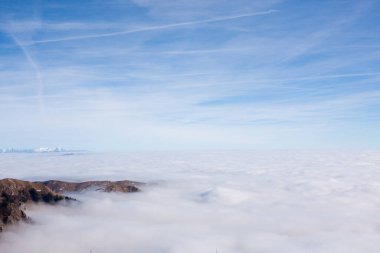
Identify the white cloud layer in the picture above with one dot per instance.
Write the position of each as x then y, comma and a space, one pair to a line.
252, 201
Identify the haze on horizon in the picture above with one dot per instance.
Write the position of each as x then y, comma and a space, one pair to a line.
143, 74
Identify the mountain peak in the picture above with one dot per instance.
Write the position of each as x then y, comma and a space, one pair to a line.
33, 150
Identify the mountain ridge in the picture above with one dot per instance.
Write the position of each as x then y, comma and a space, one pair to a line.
38, 150
16, 194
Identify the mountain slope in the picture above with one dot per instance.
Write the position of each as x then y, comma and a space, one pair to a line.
14, 194
106, 186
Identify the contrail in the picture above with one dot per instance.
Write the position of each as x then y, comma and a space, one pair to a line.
305, 78
153, 28
35, 67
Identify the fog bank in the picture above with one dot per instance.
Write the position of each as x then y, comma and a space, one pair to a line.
253, 201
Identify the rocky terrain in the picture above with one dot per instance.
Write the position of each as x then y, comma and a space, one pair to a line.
106, 186
16, 194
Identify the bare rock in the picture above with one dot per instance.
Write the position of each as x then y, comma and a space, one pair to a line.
14, 194
105, 186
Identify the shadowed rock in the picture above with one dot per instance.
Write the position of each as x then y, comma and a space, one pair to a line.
14, 194
105, 186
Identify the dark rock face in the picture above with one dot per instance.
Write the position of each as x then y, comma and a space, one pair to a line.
106, 186
14, 194
10, 211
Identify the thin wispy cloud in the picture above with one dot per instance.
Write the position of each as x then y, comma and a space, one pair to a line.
155, 28
233, 71
36, 68
317, 77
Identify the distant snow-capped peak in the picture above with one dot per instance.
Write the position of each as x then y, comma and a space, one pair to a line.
47, 150
33, 150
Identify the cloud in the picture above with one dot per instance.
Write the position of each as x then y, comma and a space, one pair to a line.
277, 80
242, 202
157, 27
36, 68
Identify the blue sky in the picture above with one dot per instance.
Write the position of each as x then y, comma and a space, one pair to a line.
144, 74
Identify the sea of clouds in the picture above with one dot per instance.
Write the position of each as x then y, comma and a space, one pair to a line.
246, 202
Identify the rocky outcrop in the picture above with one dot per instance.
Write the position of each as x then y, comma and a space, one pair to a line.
15, 194
10, 211
105, 186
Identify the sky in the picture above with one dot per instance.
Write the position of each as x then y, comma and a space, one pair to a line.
204, 74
